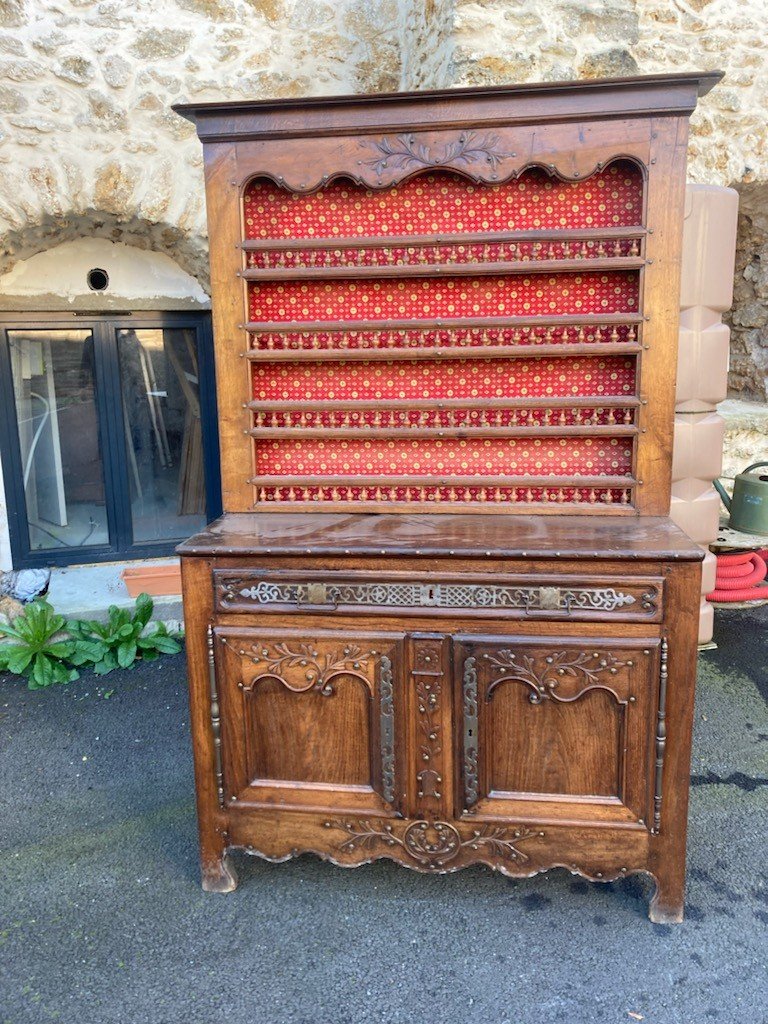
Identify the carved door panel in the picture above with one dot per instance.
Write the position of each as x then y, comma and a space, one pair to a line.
558, 728
310, 720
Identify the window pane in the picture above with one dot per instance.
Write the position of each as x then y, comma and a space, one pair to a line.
159, 380
61, 455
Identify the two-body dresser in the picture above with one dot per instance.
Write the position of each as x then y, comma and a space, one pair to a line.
444, 618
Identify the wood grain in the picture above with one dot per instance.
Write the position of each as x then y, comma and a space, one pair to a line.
395, 724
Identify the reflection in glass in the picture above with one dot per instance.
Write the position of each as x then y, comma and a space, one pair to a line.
159, 381
59, 439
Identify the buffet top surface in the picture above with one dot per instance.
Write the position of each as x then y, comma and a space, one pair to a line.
503, 536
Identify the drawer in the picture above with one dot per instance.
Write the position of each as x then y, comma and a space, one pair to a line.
575, 598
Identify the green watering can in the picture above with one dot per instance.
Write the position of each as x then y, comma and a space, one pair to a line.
749, 505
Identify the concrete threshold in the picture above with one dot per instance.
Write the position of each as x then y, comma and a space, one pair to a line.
87, 591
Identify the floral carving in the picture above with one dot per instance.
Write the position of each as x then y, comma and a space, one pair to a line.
469, 686
434, 844
585, 667
387, 729
428, 672
277, 660
405, 151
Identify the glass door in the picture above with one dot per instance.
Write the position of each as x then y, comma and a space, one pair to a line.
108, 426
60, 442
159, 379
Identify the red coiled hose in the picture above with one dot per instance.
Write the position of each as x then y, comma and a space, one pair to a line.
739, 577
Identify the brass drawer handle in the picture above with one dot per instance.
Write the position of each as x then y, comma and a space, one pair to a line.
316, 595
550, 600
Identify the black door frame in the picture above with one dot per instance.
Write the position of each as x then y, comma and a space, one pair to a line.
104, 327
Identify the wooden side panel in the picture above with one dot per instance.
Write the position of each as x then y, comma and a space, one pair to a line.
309, 737
216, 869
661, 290
551, 752
672, 746
228, 306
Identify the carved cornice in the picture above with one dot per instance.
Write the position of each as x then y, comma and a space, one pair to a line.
580, 102
404, 152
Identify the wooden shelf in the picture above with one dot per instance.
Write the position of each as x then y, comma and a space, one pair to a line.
565, 402
345, 355
431, 506
470, 238
508, 323
365, 431
562, 482
480, 269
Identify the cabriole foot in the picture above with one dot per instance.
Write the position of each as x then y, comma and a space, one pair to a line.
667, 905
219, 876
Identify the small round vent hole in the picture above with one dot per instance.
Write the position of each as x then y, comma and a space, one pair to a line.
97, 279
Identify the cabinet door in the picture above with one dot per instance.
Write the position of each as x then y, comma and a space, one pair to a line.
556, 727
310, 719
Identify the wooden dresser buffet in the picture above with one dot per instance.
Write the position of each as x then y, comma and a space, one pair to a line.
445, 618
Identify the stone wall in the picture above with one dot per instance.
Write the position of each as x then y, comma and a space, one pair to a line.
90, 147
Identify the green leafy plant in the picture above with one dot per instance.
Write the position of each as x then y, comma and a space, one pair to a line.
125, 637
47, 649
39, 650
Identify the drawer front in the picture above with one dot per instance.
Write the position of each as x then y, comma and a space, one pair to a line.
575, 598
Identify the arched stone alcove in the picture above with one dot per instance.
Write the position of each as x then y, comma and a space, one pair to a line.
96, 274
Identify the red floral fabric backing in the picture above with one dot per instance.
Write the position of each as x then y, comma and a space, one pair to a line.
431, 204
509, 456
445, 202
456, 378
586, 294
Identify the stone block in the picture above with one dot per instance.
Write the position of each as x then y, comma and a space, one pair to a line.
702, 364
698, 446
709, 246
695, 508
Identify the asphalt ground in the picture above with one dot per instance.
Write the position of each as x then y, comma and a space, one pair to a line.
103, 919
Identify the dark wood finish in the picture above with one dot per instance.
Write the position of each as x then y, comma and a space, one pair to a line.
522, 735
516, 321
444, 269
605, 348
248, 537
580, 402
513, 688
397, 241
